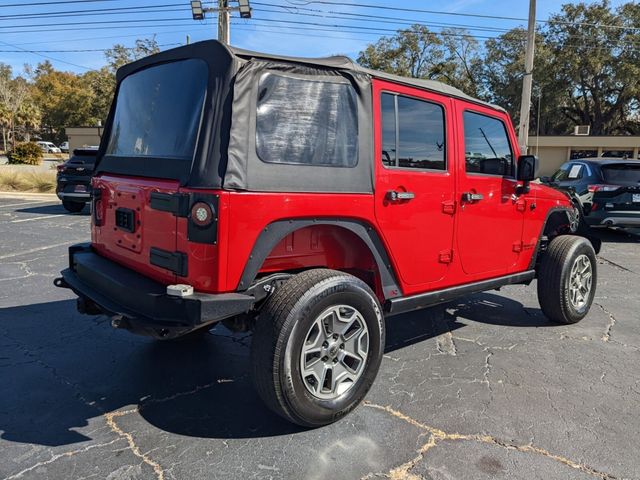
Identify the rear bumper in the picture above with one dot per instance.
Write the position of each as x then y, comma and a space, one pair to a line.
138, 303
614, 218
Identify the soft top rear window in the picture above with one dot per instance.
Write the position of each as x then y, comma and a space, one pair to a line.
158, 111
622, 173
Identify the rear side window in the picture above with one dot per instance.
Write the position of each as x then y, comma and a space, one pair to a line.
622, 174
306, 122
413, 134
487, 147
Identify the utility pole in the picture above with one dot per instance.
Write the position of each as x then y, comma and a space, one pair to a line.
224, 34
525, 105
224, 15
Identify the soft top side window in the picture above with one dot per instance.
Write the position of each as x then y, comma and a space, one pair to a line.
306, 121
486, 145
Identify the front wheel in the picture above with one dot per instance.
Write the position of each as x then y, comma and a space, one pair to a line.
317, 347
567, 279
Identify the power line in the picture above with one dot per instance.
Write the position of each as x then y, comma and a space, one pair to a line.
80, 50
22, 5
98, 11
103, 22
440, 12
47, 57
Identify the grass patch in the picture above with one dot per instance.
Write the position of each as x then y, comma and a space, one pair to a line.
41, 182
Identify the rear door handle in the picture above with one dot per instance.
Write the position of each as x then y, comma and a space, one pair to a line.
395, 196
472, 197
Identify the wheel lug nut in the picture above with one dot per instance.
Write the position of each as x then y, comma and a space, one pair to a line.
324, 359
325, 344
335, 336
342, 346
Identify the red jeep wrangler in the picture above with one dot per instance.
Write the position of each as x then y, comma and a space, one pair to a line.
307, 199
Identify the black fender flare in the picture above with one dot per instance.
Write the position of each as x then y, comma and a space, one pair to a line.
273, 233
568, 210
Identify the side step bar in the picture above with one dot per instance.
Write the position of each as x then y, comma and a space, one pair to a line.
399, 305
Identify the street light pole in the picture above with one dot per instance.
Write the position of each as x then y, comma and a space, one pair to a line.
224, 15
224, 34
525, 105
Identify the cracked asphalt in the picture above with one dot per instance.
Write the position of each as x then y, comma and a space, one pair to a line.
481, 388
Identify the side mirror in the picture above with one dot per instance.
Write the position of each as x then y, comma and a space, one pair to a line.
527, 168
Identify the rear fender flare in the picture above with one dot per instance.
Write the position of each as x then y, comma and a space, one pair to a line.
273, 233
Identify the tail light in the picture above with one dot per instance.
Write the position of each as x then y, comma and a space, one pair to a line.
202, 214
602, 188
97, 207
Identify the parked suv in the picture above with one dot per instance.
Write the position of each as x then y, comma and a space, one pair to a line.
307, 199
73, 180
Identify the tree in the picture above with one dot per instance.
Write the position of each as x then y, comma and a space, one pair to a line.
64, 98
598, 66
586, 70
102, 83
119, 55
16, 106
414, 52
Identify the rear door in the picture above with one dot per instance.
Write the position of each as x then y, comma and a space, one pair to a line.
490, 218
415, 202
126, 227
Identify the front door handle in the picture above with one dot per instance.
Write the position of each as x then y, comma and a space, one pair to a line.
394, 196
472, 197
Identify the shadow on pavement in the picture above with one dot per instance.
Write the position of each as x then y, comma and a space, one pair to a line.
53, 210
611, 235
495, 309
60, 370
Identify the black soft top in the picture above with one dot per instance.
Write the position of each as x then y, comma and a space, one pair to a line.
225, 155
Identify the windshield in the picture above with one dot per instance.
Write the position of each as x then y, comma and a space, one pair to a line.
158, 111
622, 173
562, 174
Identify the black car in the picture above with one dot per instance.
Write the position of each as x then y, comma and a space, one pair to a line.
608, 189
73, 181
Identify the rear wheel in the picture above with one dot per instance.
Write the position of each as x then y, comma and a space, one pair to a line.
317, 347
72, 207
567, 279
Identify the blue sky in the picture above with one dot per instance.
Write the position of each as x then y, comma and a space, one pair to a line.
37, 28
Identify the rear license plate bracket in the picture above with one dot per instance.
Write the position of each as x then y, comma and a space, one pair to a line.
636, 198
125, 219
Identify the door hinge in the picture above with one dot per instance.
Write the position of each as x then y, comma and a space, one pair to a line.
445, 256
176, 203
517, 247
449, 207
176, 262
521, 205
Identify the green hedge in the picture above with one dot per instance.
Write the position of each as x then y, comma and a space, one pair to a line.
25, 154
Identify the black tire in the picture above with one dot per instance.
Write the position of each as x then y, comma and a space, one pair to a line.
72, 207
280, 333
554, 277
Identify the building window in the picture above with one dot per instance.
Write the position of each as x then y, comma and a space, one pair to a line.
413, 133
487, 147
306, 122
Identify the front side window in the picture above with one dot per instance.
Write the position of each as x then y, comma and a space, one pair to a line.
413, 134
306, 122
486, 143
158, 111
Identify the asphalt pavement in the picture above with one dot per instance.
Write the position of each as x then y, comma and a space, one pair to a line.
481, 388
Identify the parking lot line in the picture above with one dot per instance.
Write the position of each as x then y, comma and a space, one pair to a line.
26, 203
39, 249
35, 218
